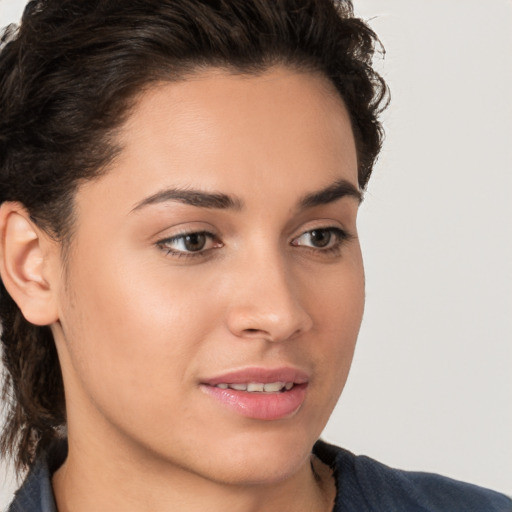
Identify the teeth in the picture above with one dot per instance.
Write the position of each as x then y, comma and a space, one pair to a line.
238, 387
273, 387
255, 386
258, 387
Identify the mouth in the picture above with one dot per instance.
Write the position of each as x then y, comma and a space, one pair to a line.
258, 387
259, 394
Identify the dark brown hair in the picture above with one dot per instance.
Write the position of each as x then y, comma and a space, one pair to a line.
68, 77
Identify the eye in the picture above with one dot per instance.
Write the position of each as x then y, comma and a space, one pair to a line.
322, 238
187, 244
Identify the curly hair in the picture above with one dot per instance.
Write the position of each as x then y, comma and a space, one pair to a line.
69, 75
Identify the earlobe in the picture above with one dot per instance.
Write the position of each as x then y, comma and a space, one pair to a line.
24, 266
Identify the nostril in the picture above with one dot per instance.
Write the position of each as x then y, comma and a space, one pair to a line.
273, 322
255, 333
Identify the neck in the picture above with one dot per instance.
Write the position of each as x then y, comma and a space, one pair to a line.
91, 479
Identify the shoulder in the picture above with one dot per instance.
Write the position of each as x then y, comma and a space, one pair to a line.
36, 494
364, 484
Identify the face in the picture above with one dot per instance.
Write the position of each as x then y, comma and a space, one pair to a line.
214, 288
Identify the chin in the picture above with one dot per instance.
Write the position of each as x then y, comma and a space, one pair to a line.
263, 459
260, 469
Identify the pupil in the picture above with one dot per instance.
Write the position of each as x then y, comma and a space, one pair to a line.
320, 237
195, 241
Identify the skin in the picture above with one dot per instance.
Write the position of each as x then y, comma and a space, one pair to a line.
141, 323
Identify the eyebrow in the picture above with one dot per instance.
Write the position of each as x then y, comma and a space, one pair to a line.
192, 197
217, 200
330, 194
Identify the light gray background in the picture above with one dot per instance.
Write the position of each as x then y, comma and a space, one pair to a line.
431, 385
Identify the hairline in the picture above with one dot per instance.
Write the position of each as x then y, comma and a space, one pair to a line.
183, 73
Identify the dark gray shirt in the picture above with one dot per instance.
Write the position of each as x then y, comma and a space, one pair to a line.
363, 485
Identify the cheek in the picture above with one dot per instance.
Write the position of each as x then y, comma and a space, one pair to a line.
339, 305
337, 298
132, 328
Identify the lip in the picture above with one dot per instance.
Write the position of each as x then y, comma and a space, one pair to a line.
264, 375
259, 406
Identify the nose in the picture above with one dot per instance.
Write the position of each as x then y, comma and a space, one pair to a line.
265, 302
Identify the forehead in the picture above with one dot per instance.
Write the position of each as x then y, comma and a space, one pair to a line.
280, 130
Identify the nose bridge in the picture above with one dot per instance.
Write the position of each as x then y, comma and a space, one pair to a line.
267, 303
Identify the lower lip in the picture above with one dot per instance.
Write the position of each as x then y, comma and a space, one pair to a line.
260, 406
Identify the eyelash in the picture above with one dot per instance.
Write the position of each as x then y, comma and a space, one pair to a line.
164, 244
341, 237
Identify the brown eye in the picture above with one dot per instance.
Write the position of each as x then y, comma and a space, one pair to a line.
320, 237
323, 239
194, 241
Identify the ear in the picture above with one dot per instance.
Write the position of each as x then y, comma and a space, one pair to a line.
25, 266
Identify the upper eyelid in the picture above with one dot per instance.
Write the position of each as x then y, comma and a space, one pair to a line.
324, 227
341, 233
180, 236
163, 244
183, 232
327, 224
177, 236
213, 235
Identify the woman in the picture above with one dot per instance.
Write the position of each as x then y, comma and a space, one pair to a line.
182, 283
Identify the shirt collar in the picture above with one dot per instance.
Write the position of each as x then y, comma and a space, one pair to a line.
36, 493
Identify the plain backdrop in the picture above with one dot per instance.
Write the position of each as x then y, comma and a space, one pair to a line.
431, 386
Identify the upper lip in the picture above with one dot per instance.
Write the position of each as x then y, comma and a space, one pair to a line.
260, 375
